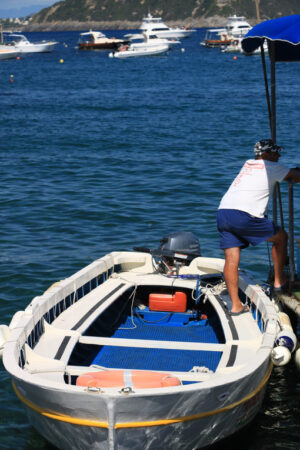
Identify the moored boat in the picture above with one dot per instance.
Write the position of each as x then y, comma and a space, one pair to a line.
140, 350
145, 44
235, 28
23, 45
156, 26
95, 40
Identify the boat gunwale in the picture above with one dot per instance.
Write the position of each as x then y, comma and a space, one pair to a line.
12, 347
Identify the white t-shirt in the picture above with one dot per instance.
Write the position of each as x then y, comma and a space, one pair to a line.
252, 188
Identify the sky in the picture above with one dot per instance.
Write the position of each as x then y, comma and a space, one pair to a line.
19, 8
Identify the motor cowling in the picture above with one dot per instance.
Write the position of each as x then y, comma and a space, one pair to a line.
181, 246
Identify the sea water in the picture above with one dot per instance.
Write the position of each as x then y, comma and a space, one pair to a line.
99, 154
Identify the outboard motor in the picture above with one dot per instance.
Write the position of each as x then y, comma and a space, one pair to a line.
175, 250
181, 246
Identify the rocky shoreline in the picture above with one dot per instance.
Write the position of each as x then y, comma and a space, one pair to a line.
210, 22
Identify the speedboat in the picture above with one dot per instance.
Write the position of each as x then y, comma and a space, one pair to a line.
139, 350
145, 44
23, 45
158, 27
93, 40
8, 51
235, 28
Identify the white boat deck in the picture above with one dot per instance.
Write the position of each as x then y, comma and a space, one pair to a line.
55, 346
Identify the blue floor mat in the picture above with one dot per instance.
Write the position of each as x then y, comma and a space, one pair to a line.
156, 359
200, 331
159, 359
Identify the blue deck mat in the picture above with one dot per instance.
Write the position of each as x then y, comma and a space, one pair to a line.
160, 359
200, 331
156, 359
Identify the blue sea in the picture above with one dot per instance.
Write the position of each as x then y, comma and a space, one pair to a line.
100, 154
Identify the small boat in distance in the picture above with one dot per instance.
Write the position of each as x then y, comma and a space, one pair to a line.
145, 44
236, 27
23, 45
96, 40
156, 25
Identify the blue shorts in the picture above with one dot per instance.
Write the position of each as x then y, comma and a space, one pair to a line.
239, 229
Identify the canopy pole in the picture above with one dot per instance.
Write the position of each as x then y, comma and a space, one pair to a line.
271, 48
280, 205
263, 60
273, 89
291, 232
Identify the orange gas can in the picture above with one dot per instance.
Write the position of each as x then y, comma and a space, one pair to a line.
168, 302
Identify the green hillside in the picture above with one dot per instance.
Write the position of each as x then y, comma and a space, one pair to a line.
132, 11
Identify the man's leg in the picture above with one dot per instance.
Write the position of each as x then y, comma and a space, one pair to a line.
279, 253
231, 275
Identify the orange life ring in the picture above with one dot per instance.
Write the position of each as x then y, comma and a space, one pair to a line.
127, 378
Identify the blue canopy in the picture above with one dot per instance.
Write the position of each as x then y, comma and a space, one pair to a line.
284, 32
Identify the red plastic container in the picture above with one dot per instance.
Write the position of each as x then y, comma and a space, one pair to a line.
168, 302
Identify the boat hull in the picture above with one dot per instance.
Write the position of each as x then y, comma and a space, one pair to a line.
104, 46
36, 48
192, 420
136, 52
8, 54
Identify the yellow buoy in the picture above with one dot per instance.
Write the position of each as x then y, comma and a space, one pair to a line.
61, 60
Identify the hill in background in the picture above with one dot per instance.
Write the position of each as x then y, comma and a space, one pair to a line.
78, 14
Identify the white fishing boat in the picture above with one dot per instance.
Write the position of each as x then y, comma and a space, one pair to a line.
23, 45
157, 26
139, 350
144, 44
95, 40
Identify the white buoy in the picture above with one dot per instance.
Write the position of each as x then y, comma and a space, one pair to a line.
4, 334
285, 343
280, 356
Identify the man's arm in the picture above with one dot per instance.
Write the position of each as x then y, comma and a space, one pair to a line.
293, 175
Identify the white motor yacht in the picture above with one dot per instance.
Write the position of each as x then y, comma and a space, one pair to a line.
156, 25
237, 26
145, 44
23, 45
